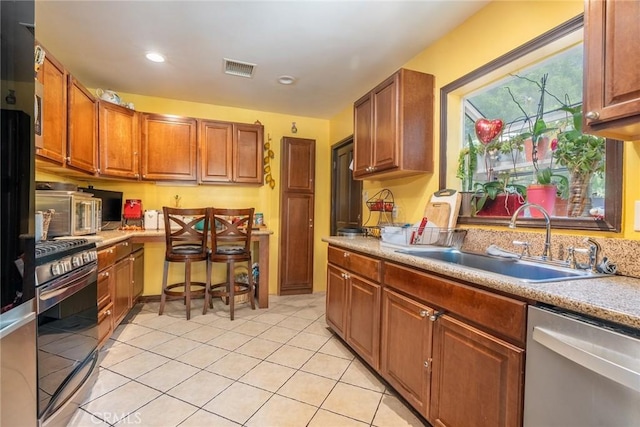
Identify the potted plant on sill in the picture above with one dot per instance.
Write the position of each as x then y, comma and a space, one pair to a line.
467, 166
582, 155
498, 197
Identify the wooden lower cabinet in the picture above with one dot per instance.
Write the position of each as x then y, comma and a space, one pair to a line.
120, 283
137, 274
406, 348
105, 303
453, 351
363, 318
477, 379
336, 300
122, 300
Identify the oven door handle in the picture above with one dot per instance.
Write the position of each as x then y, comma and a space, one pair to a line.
585, 355
50, 295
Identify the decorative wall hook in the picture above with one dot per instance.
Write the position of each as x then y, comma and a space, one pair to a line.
294, 129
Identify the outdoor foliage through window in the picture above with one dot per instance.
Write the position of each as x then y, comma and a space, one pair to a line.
540, 142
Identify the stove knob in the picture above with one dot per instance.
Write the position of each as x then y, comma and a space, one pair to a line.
86, 257
55, 269
94, 255
76, 261
66, 266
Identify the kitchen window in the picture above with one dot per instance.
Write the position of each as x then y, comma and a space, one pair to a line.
532, 93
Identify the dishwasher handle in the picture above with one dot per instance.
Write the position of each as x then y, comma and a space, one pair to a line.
572, 349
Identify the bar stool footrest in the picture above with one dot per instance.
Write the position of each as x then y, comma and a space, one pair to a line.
194, 292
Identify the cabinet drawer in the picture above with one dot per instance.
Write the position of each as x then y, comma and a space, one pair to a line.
103, 286
105, 321
106, 257
360, 264
502, 315
123, 249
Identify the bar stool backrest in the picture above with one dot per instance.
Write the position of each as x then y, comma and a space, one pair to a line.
186, 233
231, 232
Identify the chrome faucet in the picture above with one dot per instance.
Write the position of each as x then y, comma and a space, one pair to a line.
546, 253
594, 250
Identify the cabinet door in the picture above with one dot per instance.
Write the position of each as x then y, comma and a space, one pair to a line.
406, 348
137, 259
336, 299
82, 128
119, 141
247, 154
299, 158
296, 244
216, 151
611, 81
122, 290
385, 124
168, 148
362, 139
53, 77
363, 318
477, 378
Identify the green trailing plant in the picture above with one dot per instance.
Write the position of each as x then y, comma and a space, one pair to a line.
467, 164
583, 155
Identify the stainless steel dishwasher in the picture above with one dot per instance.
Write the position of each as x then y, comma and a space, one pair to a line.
580, 372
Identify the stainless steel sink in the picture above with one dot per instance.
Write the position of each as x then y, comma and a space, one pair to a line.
525, 271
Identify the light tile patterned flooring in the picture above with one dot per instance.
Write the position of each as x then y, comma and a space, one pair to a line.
278, 367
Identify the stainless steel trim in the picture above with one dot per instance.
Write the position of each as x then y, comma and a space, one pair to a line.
11, 328
65, 286
16, 314
584, 353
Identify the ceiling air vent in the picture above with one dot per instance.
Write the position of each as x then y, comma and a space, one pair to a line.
238, 68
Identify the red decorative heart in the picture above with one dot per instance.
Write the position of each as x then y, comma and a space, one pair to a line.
488, 130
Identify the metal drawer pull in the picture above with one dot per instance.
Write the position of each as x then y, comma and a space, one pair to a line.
424, 313
346, 255
436, 315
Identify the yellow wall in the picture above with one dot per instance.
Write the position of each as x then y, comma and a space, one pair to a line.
263, 198
495, 30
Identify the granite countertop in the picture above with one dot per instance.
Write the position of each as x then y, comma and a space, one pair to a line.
108, 238
612, 298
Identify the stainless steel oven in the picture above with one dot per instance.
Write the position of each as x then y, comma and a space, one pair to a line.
67, 332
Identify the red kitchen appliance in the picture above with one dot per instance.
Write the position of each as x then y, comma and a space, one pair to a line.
133, 209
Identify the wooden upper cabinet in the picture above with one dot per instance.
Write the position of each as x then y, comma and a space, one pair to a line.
168, 148
216, 151
53, 77
611, 81
300, 157
230, 152
119, 141
393, 126
82, 141
247, 154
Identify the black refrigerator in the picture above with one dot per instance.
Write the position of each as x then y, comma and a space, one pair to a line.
18, 384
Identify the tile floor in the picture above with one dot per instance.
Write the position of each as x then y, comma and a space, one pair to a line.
269, 367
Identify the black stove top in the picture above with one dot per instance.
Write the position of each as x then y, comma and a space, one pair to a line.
49, 250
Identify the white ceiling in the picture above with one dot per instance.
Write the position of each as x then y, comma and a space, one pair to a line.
337, 50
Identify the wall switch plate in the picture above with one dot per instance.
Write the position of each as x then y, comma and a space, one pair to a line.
636, 222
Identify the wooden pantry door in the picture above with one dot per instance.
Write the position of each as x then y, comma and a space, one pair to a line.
295, 273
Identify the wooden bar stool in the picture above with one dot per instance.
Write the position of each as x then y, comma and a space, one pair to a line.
186, 232
231, 243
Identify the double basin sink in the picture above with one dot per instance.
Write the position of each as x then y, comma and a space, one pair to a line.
525, 271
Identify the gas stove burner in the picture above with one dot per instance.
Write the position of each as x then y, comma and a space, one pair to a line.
55, 246
51, 251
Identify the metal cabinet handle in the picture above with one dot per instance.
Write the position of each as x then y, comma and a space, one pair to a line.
424, 313
435, 316
108, 312
345, 255
592, 115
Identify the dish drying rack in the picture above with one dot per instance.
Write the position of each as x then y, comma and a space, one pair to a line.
383, 204
422, 237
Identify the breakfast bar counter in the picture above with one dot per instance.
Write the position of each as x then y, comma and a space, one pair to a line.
260, 237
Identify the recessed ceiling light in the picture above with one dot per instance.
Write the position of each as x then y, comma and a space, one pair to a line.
155, 57
286, 80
